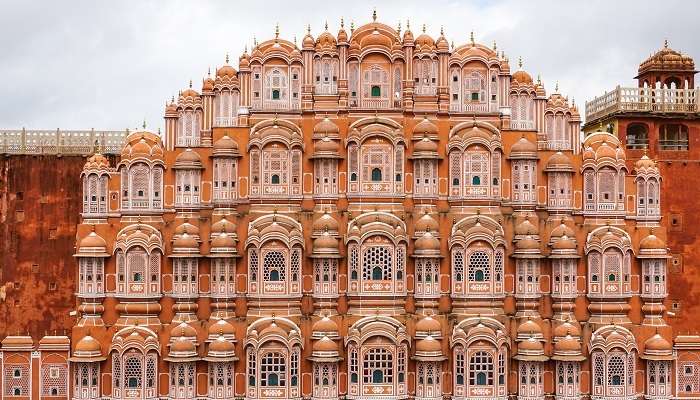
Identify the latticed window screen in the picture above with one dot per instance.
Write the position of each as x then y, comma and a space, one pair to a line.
479, 268
474, 86
133, 372
16, 382
54, 379
273, 369
458, 264
481, 369
274, 266
377, 263
378, 366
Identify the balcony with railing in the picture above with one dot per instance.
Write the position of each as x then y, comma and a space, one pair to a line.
71, 142
276, 105
643, 99
474, 107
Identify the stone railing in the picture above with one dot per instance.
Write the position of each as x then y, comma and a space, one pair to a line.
71, 142
641, 99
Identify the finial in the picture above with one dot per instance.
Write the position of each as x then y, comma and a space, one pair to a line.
665, 43
423, 28
520, 62
408, 24
255, 41
308, 29
277, 30
495, 48
556, 87
209, 71
172, 99
539, 81
442, 30
245, 49
144, 123
352, 26
295, 40
398, 27
471, 38
374, 15
326, 26
190, 83
452, 45
342, 23
226, 57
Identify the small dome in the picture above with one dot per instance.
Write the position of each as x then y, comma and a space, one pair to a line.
667, 59
186, 228
562, 230
92, 240
325, 222
427, 223
325, 325
566, 328
189, 92
273, 228
221, 327
428, 345
427, 242
428, 324
188, 159
96, 162
567, 344
223, 241
325, 344
308, 42
522, 77
326, 244
529, 327
531, 345
326, 145
523, 149
526, 228
606, 150
226, 146
182, 345
657, 343
325, 127
652, 242
425, 145
208, 84
223, 225
559, 162
221, 345
226, 71
645, 163
183, 330
527, 243
425, 127
273, 329
186, 242
564, 243
88, 344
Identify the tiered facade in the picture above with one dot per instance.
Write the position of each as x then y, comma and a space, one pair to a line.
369, 216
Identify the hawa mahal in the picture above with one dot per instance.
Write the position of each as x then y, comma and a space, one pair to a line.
372, 215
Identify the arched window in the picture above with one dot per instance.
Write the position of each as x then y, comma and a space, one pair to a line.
481, 369
637, 136
376, 91
673, 137
376, 175
188, 133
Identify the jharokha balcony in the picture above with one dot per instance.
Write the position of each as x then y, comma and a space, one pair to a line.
642, 99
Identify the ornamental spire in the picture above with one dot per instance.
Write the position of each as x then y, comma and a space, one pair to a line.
520, 62
495, 48
374, 15
342, 23
423, 28
227, 58
326, 26
471, 38
277, 30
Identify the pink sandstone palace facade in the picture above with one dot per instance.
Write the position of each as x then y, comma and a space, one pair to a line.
372, 215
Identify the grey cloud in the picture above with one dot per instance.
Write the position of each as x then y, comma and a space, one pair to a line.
109, 65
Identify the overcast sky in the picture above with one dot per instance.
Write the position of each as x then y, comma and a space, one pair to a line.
111, 64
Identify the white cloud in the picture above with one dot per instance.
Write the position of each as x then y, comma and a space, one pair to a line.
109, 65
